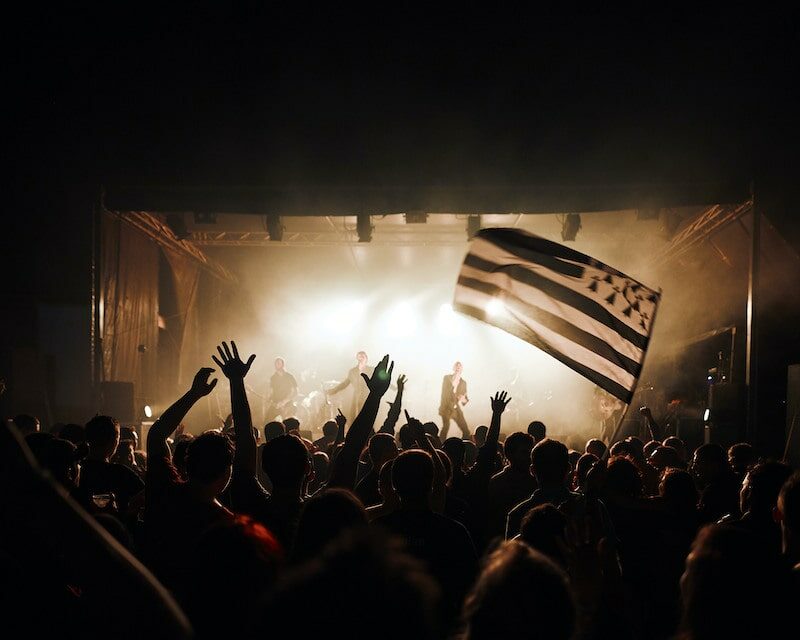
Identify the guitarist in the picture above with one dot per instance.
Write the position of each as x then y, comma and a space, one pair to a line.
454, 396
283, 389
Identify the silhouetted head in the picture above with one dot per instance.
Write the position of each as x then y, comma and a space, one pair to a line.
664, 457
292, 425
243, 548
179, 456
325, 516
412, 476
596, 447
273, 429
585, 463
285, 460
479, 437
520, 593
741, 457
621, 448
709, 462
543, 529
280, 364
396, 597
382, 448
650, 447
637, 448
761, 486
385, 488
75, 433
470, 453
406, 438
678, 490
102, 436
550, 462
679, 446
454, 448
517, 449
26, 424
622, 479
725, 564
537, 430
431, 429
330, 429
129, 433
322, 464
209, 460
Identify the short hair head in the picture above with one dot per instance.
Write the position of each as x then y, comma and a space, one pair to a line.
208, 458
330, 429
285, 460
273, 429
412, 475
550, 462
517, 449
538, 430
102, 434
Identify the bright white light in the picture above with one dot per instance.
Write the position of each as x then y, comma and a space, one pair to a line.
706, 413
495, 308
401, 321
148, 411
338, 319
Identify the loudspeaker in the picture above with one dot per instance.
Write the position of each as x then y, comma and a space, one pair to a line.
728, 404
792, 451
116, 400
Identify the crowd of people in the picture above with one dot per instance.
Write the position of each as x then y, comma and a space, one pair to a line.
386, 530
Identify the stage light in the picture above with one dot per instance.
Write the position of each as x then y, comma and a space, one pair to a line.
148, 411
495, 308
364, 227
570, 227
473, 226
706, 415
275, 227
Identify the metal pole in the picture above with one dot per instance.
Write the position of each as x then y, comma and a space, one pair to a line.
751, 366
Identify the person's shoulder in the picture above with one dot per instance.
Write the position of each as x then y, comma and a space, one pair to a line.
522, 506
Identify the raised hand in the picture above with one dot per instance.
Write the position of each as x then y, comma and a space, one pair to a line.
417, 430
401, 383
200, 385
231, 364
340, 419
500, 401
381, 377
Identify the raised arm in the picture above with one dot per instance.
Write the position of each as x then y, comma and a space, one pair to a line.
340, 387
344, 469
163, 427
488, 452
655, 430
244, 458
394, 408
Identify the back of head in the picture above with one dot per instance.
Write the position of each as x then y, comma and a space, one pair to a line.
762, 485
470, 453
550, 462
677, 444
637, 447
396, 598
330, 429
542, 528
517, 449
726, 563
454, 448
678, 489
208, 458
75, 433
406, 437
480, 435
538, 430
621, 448
102, 434
382, 447
623, 479
26, 423
664, 457
292, 425
325, 516
520, 593
650, 447
596, 447
243, 548
272, 430
431, 428
285, 460
585, 463
412, 475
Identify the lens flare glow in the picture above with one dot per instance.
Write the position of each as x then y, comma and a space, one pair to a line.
495, 308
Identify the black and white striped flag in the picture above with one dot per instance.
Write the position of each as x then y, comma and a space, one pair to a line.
591, 317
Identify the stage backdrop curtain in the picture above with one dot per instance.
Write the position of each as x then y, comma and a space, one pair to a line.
183, 325
129, 299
